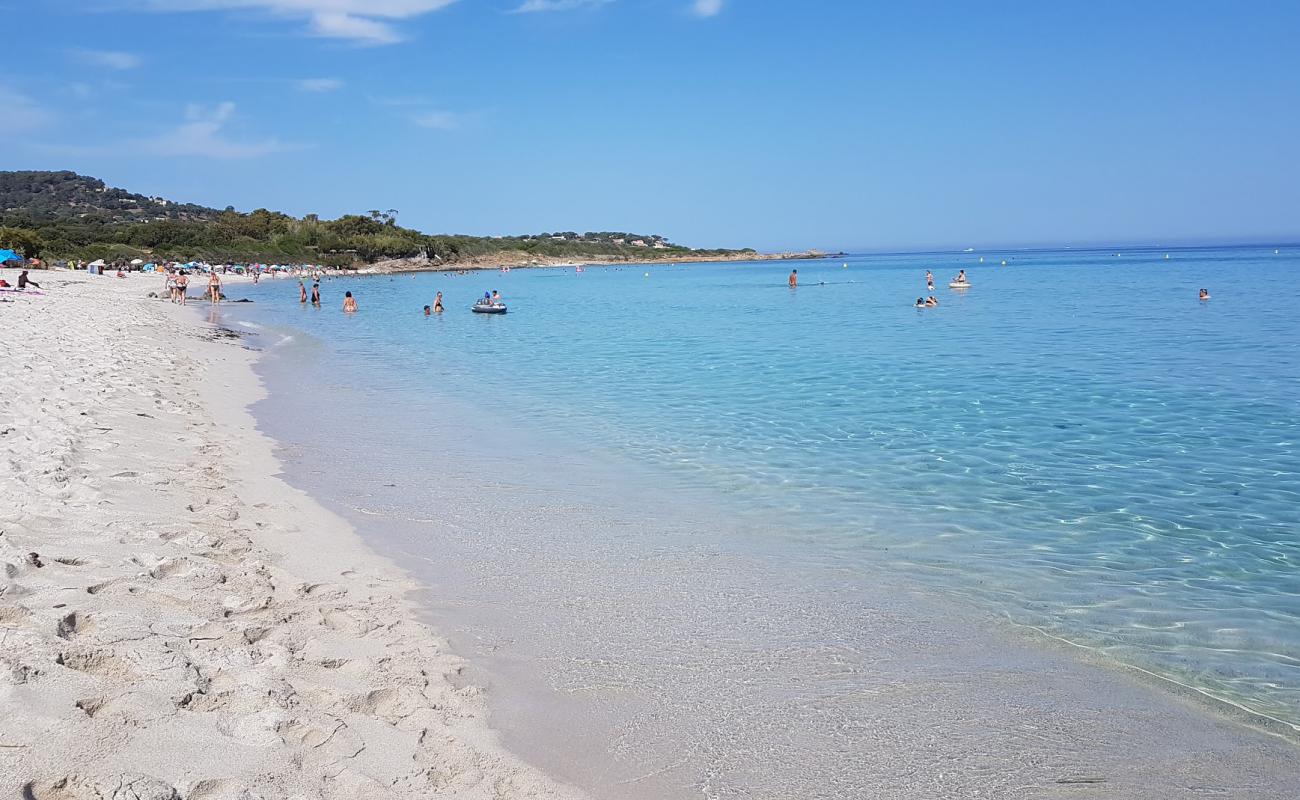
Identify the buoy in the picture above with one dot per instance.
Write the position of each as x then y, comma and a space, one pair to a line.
1274, 252
1004, 262
647, 274
846, 265
981, 259
1166, 256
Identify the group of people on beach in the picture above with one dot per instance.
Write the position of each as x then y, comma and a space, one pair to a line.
177, 286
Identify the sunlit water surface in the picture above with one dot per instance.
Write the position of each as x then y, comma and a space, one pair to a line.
1075, 442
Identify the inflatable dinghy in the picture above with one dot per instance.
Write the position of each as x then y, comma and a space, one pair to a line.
489, 308
956, 285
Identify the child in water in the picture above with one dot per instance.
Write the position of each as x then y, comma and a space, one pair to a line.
349, 302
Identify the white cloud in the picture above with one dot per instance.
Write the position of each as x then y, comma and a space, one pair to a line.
438, 120
706, 8
530, 6
112, 59
320, 84
201, 134
359, 21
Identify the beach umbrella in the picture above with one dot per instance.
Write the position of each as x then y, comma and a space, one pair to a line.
135, 262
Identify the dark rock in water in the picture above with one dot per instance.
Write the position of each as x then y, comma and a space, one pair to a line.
244, 300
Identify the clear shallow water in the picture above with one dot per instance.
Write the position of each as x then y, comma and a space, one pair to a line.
1074, 442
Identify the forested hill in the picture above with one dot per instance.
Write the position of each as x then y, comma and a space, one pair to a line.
51, 196
65, 215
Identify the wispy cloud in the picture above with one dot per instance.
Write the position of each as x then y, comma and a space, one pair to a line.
531, 6
202, 134
707, 8
320, 84
400, 101
367, 22
438, 120
112, 59
22, 114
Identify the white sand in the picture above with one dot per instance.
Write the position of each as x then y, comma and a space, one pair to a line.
175, 621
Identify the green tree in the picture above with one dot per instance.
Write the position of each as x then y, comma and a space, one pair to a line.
22, 240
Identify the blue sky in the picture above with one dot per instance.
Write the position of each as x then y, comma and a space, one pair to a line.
856, 125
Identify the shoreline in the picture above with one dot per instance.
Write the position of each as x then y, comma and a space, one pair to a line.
520, 260
177, 620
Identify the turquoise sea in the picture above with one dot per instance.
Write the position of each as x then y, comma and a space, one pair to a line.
1075, 443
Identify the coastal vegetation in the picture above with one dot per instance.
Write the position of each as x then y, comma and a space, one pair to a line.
63, 215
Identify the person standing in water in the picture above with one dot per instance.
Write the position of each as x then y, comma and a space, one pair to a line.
349, 302
437, 304
302, 292
214, 287
929, 280
315, 294
794, 278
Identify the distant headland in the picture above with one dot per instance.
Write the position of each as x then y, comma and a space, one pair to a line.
64, 215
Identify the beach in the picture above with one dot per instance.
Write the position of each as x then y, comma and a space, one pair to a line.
205, 510
175, 621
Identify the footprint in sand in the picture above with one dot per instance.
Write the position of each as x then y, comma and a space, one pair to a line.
95, 661
65, 788
73, 624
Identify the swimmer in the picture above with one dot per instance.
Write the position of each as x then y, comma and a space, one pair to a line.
427, 311
1205, 294
920, 302
794, 278
437, 303
349, 302
931, 302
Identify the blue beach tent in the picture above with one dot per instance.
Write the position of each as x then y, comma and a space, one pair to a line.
9, 255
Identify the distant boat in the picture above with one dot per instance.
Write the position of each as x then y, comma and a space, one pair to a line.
969, 250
